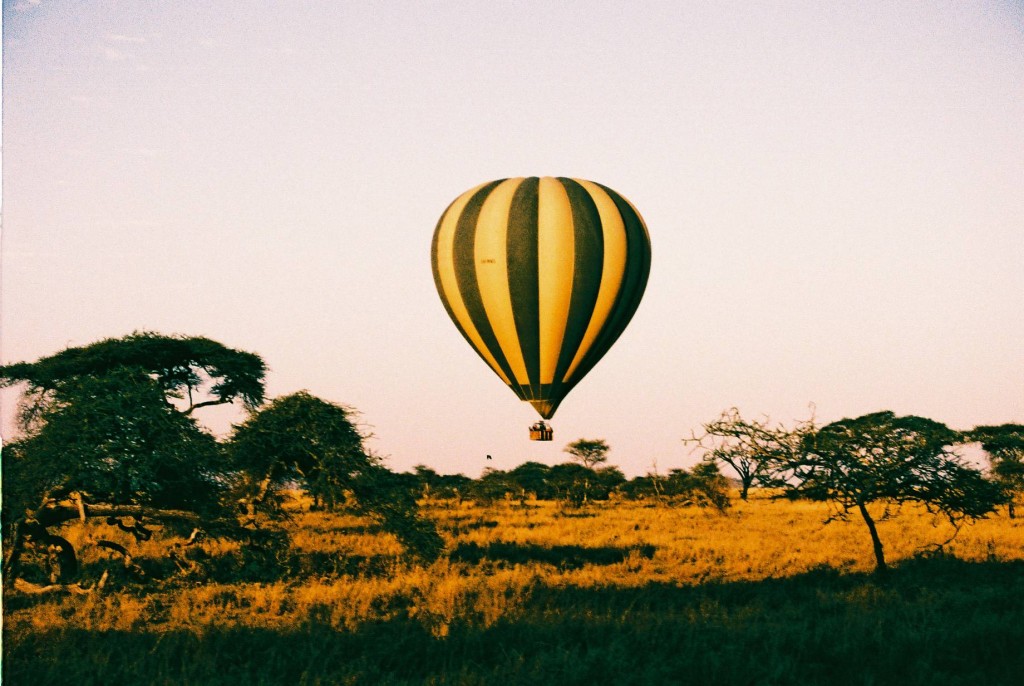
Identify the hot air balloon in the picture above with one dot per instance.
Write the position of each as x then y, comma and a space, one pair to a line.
541, 276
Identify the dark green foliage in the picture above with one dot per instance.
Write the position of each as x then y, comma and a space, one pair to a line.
532, 477
570, 481
99, 420
180, 365
444, 486
519, 483
703, 485
1005, 447
302, 439
1000, 442
882, 458
388, 497
642, 487
608, 479
299, 438
578, 485
492, 486
114, 439
103, 427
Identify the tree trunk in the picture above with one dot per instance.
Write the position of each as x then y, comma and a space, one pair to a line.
10, 569
744, 488
880, 566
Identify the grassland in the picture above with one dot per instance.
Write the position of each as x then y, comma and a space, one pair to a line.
616, 593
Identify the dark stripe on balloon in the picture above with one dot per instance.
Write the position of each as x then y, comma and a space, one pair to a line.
521, 244
464, 257
638, 267
588, 250
440, 287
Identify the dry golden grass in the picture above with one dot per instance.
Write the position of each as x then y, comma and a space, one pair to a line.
644, 544
507, 565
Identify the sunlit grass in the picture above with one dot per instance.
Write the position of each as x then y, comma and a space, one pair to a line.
764, 568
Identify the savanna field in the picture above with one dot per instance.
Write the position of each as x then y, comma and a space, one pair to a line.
616, 592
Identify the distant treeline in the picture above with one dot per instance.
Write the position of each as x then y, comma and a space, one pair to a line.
575, 484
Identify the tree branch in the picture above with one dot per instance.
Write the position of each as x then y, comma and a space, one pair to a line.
58, 514
205, 403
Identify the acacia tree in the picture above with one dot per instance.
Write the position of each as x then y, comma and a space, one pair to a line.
114, 440
749, 447
304, 439
881, 458
199, 371
1004, 445
101, 435
588, 452
703, 485
107, 447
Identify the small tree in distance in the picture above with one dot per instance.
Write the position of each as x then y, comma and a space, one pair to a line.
748, 447
588, 452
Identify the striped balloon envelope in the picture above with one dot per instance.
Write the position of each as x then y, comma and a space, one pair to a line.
541, 276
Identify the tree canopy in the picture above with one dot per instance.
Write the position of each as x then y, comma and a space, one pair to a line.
883, 458
302, 438
1004, 445
748, 446
589, 452
105, 434
197, 370
116, 440
299, 438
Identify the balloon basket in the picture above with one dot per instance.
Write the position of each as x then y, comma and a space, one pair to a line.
541, 432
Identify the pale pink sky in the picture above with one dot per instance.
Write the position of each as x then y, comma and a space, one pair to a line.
834, 192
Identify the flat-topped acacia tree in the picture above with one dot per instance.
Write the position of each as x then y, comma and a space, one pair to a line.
588, 452
884, 459
857, 465
105, 432
197, 370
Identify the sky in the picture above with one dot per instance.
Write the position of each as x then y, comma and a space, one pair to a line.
834, 194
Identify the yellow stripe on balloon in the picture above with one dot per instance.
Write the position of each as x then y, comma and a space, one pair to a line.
555, 258
491, 257
449, 283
